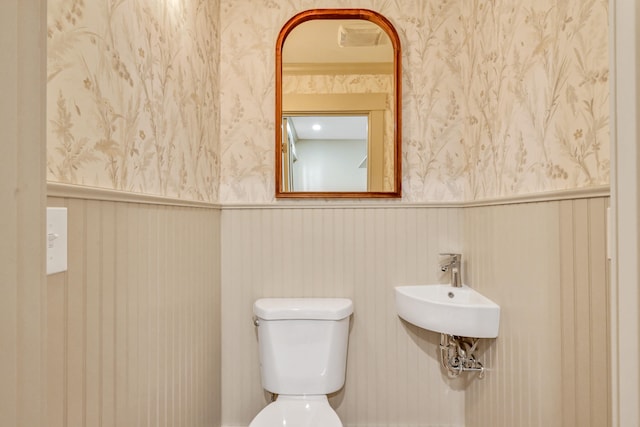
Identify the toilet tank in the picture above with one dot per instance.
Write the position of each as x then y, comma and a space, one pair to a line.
303, 344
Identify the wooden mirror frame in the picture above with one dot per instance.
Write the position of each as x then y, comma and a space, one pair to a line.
387, 27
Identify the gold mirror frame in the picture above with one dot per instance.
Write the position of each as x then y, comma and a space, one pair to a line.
387, 27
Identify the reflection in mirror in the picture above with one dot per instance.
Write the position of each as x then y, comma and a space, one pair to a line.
325, 153
338, 69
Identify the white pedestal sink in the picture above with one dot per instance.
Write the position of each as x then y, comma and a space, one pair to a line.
460, 311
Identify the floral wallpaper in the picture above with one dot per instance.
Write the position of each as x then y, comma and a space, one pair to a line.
133, 96
500, 97
176, 98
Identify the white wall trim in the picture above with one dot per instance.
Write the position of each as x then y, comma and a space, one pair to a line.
549, 196
55, 189
23, 290
625, 135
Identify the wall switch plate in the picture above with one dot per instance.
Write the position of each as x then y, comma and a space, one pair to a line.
56, 240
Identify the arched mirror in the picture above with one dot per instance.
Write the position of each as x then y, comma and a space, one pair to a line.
338, 105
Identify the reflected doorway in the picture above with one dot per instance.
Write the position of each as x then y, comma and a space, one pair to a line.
331, 152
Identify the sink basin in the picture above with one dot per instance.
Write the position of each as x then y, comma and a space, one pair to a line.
455, 311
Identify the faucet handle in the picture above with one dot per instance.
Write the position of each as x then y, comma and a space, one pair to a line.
453, 265
453, 261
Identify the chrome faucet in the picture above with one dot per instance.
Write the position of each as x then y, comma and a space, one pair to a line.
453, 266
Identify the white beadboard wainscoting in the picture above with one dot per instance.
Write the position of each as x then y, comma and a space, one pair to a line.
393, 377
543, 262
152, 324
134, 324
546, 265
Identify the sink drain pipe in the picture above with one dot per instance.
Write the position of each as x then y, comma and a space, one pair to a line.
456, 355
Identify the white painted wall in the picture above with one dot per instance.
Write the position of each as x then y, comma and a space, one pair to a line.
625, 119
330, 165
22, 202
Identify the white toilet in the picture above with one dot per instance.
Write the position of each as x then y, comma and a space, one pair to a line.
303, 357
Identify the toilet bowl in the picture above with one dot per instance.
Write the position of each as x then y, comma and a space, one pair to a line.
297, 411
302, 344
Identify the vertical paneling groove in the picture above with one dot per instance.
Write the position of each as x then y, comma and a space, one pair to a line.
550, 278
599, 321
132, 287
92, 238
108, 268
120, 314
175, 276
76, 316
181, 274
153, 320
56, 360
568, 292
165, 315
144, 354
582, 304
133, 321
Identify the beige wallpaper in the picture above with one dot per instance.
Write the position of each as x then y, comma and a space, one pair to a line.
500, 98
132, 97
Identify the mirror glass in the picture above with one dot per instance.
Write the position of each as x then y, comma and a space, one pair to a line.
338, 105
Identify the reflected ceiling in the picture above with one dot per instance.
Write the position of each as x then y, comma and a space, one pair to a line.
330, 127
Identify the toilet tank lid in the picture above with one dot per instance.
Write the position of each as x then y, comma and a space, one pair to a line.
303, 308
